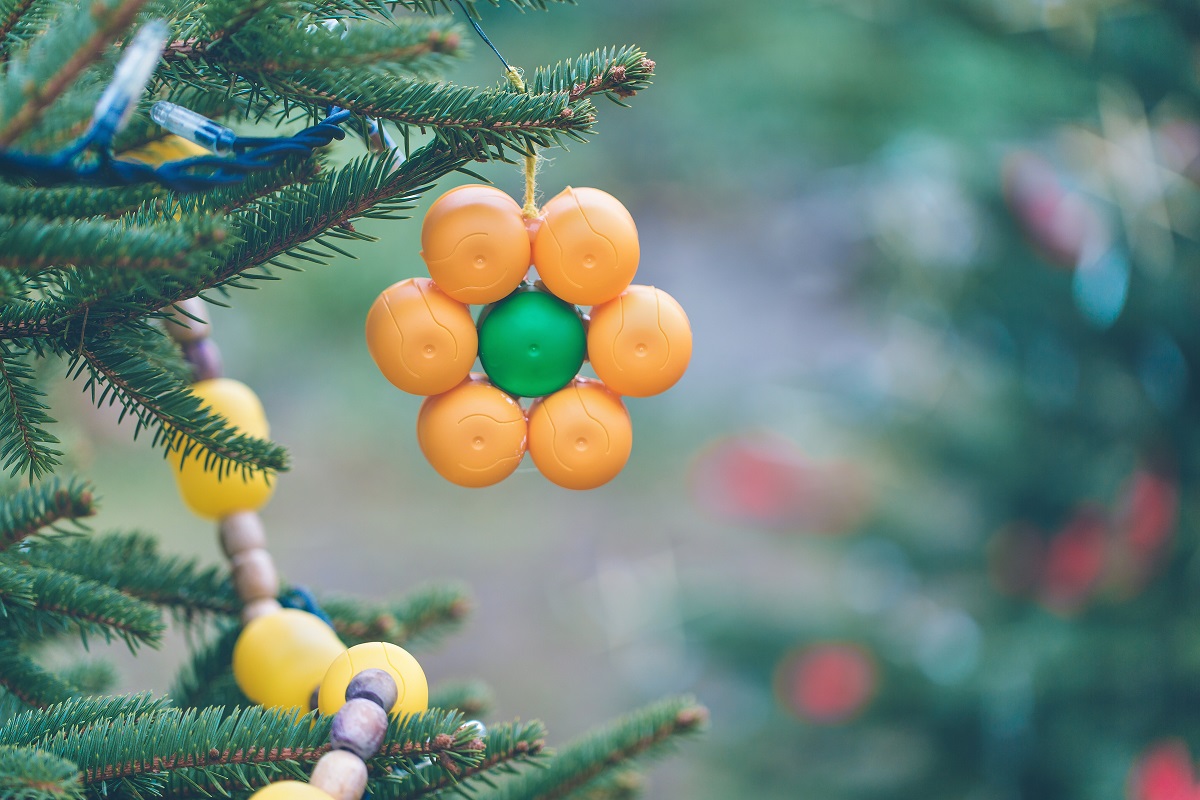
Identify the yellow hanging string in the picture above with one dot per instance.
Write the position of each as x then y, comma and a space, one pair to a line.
530, 209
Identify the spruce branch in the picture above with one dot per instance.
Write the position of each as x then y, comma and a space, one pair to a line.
207, 679
28, 682
32, 727
108, 23
504, 750
618, 73
12, 13
422, 616
35, 508
636, 734
472, 698
63, 601
77, 202
25, 442
15, 590
29, 774
164, 404
32, 244
131, 563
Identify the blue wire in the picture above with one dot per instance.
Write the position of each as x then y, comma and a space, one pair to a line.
253, 154
301, 598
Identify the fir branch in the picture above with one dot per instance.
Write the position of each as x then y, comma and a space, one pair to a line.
35, 508
75, 713
633, 735
63, 601
164, 404
14, 11
207, 679
472, 698
109, 23
184, 751
25, 442
132, 564
423, 615
31, 244
15, 590
61, 202
28, 774
618, 73
28, 682
505, 749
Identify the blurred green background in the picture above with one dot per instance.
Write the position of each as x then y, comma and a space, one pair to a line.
898, 338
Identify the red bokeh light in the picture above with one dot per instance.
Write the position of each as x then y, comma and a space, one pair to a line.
1164, 772
827, 683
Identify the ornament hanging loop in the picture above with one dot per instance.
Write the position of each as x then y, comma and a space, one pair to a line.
530, 210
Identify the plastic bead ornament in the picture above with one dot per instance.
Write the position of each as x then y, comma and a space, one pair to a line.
207, 492
412, 690
280, 658
531, 338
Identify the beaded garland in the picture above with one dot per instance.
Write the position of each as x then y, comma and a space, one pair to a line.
287, 658
531, 337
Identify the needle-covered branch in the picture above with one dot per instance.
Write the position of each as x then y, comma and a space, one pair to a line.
637, 734
26, 444
44, 506
422, 616
30, 774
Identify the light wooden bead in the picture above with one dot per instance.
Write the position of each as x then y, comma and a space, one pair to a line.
342, 774
260, 608
359, 727
254, 575
182, 328
242, 531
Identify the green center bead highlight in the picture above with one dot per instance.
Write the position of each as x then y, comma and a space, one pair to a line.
531, 343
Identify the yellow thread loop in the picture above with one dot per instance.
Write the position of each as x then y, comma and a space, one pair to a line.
530, 209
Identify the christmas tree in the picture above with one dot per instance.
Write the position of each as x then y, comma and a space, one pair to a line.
110, 229
986, 491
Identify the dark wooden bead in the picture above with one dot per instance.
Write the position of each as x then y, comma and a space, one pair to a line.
375, 685
359, 726
205, 358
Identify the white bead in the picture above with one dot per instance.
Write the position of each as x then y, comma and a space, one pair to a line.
342, 774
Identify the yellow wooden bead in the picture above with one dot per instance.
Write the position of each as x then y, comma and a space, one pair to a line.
412, 694
279, 659
206, 492
290, 790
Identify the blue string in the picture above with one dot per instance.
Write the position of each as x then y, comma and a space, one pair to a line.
252, 154
304, 600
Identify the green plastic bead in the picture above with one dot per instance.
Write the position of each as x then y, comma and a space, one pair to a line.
531, 343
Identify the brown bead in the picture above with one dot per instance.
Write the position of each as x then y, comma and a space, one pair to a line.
240, 532
341, 774
254, 575
359, 726
181, 327
260, 608
204, 357
375, 685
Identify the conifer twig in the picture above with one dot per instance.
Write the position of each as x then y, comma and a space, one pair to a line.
111, 23
38, 507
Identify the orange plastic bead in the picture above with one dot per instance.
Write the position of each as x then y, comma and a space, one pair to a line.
640, 342
423, 341
586, 249
474, 434
291, 790
475, 244
412, 688
279, 659
207, 492
580, 437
